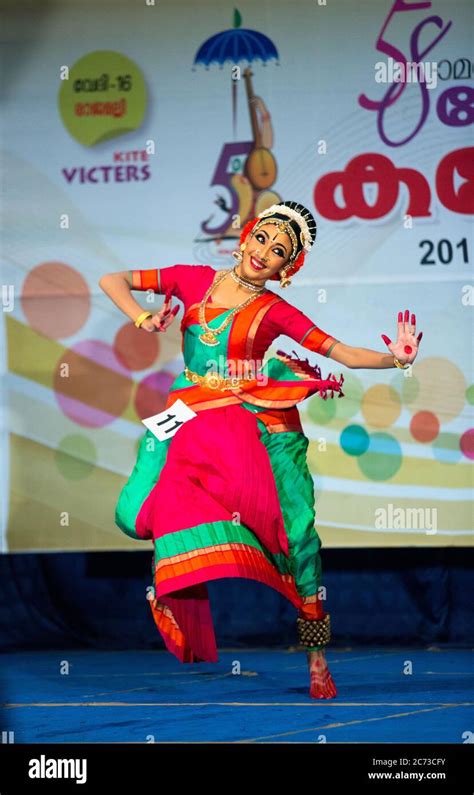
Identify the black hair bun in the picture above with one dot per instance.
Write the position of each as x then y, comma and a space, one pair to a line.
307, 215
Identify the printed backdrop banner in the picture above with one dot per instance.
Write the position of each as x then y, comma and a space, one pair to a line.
140, 135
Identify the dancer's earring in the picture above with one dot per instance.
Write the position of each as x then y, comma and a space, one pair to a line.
238, 255
284, 281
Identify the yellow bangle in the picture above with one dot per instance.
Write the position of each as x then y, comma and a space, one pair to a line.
400, 365
141, 318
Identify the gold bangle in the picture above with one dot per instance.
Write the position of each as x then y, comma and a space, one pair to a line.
141, 318
400, 365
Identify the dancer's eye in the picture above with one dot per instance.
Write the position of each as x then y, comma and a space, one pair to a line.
280, 252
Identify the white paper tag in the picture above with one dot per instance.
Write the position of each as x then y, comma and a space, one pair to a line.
165, 424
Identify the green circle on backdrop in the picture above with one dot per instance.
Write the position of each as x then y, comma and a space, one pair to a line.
104, 96
321, 411
409, 389
470, 394
383, 459
446, 448
349, 405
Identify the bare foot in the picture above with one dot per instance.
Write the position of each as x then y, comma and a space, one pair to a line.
321, 682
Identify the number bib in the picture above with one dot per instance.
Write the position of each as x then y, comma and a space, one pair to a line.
165, 424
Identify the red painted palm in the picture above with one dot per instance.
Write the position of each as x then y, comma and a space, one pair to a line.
405, 349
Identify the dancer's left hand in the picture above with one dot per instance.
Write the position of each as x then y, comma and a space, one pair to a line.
406, 347
163, 318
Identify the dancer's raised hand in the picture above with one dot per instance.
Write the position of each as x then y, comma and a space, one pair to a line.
406, 347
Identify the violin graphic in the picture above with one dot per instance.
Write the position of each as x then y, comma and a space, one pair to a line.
260, 166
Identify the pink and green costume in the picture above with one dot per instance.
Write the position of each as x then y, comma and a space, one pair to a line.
230, 494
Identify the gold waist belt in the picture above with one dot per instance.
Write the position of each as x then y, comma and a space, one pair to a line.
212, 380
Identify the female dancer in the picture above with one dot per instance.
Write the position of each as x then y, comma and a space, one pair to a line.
229, 492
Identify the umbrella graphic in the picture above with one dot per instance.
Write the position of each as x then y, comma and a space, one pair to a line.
235, 46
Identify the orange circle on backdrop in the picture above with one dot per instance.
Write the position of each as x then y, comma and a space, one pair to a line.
381, 405
424, 426
91, 386
441, 388
55, 299
136, 349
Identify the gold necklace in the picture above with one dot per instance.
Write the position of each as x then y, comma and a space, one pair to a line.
209, 336
246, 283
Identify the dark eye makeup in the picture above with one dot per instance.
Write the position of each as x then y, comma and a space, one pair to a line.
279, 251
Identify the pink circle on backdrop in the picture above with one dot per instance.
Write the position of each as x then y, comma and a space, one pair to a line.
152, 393
98, 387
466, 443
55, 299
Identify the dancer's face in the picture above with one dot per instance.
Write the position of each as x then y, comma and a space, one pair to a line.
266, 252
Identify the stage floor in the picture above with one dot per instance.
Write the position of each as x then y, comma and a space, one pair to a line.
148, 696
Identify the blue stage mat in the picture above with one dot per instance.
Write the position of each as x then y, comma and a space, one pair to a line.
147, 696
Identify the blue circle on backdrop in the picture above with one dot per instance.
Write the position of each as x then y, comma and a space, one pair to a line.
354, 440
